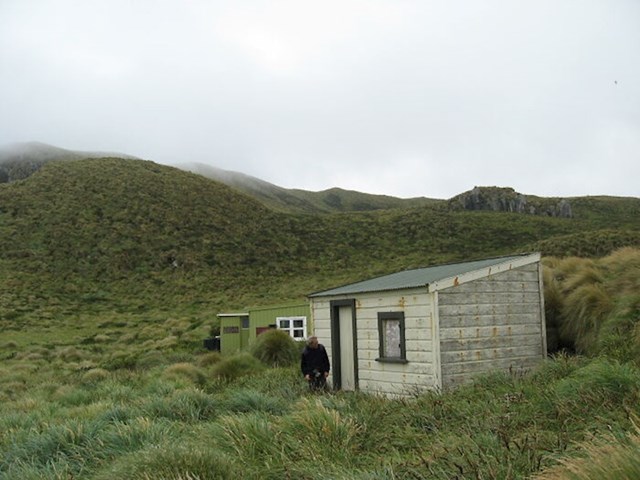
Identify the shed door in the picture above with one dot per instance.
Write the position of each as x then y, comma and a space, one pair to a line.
344, 345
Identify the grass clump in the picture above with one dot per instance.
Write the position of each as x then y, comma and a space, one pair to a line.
276, 348
611, 458
209, 359
245, 401
188, 371
188, 405
171, 462
600, 381
95, 375
321, 432
592, 306
237, 366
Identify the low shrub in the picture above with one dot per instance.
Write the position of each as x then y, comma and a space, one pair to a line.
71, 354
244, 401
237, 366
95, 375
276, 348
321, 432
151, 359
188, 405
171, 462
250, 439
187, 371
209, 359
602, 380
120, 359
611, 458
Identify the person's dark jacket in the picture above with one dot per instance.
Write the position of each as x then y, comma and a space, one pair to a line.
314, 359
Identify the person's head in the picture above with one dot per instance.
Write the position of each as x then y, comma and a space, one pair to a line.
312, 342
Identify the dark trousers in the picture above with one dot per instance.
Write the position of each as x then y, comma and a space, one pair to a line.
317, 381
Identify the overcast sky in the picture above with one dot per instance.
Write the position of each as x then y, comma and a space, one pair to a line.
398, 97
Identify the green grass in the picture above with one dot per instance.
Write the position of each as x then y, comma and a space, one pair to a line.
102, 237
267, 425
112, 272
592, 305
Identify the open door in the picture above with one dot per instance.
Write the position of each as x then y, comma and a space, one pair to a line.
344, 345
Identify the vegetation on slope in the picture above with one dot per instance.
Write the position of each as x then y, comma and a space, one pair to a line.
593, 305
176, 420
304, 201
21, 160
98, 234
111, 272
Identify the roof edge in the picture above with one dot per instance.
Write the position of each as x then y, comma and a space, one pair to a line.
519, 259
525, 259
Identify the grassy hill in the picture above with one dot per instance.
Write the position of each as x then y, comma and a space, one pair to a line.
112, 271
131, 230
20, 160
304, 201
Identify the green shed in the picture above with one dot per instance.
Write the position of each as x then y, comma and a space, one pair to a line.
239, 330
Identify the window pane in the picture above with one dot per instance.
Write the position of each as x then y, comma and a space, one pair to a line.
391, 339
298, 334
245, 322
298, 324
284, 323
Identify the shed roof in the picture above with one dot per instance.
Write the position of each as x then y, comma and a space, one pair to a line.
419, 277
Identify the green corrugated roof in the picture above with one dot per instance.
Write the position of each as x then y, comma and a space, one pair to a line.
419, 277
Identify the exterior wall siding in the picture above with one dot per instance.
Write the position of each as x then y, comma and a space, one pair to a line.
264, 317
491, 323
387, 378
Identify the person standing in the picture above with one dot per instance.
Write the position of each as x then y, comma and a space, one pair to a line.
315, 364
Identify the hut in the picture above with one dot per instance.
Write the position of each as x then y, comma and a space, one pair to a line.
433, 328
239, 330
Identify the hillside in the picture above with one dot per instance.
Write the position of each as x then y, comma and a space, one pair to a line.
20, 160
304, 201
99, 233
112, 272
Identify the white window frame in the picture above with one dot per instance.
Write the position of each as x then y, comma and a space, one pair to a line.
291, 329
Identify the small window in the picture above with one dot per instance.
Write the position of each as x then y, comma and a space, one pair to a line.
245, 322
284, 324
294, 326
391, 337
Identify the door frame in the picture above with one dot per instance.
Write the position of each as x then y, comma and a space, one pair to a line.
334, 308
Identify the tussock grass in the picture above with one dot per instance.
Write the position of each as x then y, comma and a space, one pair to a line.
71, 354
95, 375
601, 381
151, 359
185, 371
236, 366
139, 424
276, 348
592, 305
71, 395
611, 458
322, 433
209, 359
585, 310
245, 401
101, 338
170, 462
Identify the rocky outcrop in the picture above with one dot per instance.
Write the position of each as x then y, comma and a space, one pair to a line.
500, 199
